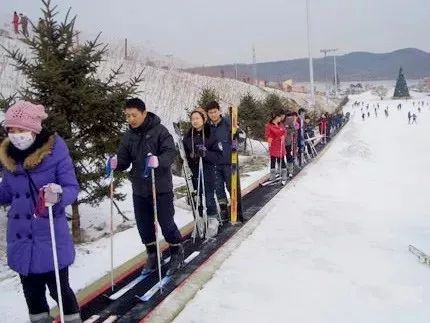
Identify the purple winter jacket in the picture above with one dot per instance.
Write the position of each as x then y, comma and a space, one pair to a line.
29, 248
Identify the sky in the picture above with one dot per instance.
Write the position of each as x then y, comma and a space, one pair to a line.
206, 33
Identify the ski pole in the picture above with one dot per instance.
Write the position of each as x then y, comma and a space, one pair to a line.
156, 224
109, 174
111, 230
55, 258
202, 178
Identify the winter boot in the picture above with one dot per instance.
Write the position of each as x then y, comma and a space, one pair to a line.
290, 168
284, 176
273, 174
213, 225
41, 318
176, 258
224, 211
152, 260
73, 318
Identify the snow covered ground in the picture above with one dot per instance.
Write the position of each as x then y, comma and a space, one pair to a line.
333, 245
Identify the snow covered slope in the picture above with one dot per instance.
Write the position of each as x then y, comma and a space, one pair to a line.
333, 245
166, 92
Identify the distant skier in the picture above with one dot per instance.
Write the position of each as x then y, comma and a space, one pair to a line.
24, 24
414, 118
377, 105
368, 114
363, 116
419, 109
376, 113
15, 22
409, 117
203, 154
290, 141
386, 112
275, 136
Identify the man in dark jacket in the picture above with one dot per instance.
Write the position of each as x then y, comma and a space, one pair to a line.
221, 128
147, 136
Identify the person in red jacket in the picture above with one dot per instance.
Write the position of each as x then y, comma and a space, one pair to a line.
322, 125
15, 22
275, 135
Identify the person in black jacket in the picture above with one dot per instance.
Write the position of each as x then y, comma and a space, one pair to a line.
221, 128
201, 144
147, 136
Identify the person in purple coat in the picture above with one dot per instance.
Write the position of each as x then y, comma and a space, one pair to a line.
35, 161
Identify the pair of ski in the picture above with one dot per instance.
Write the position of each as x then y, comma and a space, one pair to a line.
423, 258
158, 287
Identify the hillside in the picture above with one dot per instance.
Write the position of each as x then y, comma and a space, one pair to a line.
167, 92
356, 66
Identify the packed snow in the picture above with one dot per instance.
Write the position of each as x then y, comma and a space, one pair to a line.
333, 245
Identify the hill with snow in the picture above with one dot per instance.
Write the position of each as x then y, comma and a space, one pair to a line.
167, 92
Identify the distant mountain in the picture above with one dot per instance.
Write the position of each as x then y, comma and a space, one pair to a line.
356, 66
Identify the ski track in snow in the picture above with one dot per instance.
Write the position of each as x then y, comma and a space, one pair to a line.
333, 247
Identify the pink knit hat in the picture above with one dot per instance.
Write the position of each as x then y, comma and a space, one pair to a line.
25, 115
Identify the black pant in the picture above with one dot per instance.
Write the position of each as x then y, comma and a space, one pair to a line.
144, 214
290, 157
223, 180
34, 286
276, 160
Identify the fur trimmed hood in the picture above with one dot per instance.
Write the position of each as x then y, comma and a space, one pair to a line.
32, 161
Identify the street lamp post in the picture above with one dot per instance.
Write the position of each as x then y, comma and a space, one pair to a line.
311, 67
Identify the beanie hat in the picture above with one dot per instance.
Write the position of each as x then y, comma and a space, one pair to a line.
25, 115
135, 103
202, 112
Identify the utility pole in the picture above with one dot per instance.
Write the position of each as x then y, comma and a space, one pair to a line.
311, 66
325, 51
235, 70
254, 65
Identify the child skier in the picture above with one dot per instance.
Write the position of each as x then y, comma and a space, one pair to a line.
203, 153
38, 169
275, 136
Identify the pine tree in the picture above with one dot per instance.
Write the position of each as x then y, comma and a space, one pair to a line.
207, 95
84, 109
251, 117
401, 90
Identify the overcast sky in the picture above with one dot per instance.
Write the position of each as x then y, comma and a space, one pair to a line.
223, 31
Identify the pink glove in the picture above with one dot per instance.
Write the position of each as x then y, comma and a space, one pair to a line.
114, 162
153, 161
52, 193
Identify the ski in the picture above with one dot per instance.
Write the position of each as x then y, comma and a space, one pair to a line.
271, 182
424, 258
131, 284
166, 279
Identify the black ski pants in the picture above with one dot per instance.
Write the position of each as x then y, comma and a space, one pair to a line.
144, 214
34, 286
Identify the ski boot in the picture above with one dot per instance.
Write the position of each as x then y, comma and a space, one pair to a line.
152, 259
224, 216
213, 225
41, 318
273, 174
176, 259
73, 318
284, 176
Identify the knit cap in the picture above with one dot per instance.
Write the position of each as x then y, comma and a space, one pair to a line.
25, 115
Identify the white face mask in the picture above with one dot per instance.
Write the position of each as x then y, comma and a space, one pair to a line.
23, 140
